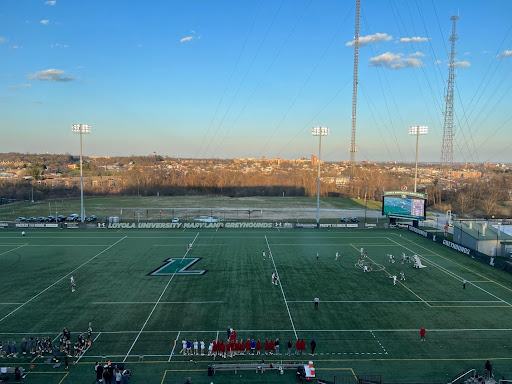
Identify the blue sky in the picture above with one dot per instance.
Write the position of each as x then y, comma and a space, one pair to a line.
250, 78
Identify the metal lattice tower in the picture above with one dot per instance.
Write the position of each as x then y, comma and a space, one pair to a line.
448, 131
353, 148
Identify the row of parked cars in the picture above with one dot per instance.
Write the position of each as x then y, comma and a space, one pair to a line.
56, 219
346, 220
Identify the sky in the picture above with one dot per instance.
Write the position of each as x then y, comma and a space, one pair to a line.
226, 79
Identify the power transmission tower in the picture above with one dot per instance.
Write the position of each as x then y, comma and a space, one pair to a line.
353, 148
448, 131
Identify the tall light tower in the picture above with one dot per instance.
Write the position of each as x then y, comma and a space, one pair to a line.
448, 131
81, 129
319, 131
417, 131
353, 148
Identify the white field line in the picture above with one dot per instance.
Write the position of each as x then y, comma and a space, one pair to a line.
290, 330
11, 250
82, 355
158, 301
461, 265
11, 303
384, 349
281, 286
62, 278
455, 275
61, 245
176, 340
400, 301
154, 302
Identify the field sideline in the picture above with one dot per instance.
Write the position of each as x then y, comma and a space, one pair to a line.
139, 302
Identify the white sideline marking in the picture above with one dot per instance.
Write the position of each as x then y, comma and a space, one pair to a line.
62, 278
61, 245
158, 301
287, 330
154, 302
281, 286
399, 301
454, 274
176, 340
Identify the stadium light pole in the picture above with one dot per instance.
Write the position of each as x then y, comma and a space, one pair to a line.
319, 131
81, 129
417, 130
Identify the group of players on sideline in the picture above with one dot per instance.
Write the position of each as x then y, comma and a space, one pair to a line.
45, 346
236, 347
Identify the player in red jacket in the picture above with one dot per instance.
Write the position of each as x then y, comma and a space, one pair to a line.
214, 349
258, 347
272, 347
267, 347
247, 346
302, 346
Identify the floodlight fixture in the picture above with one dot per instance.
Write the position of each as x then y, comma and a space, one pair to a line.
81, 129
417, 131
319, 131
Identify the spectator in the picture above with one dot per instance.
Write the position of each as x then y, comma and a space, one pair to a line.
488, 369
313, 346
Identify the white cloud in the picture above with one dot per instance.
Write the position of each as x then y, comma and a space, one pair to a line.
37, 102
462, 64
415, 39
2, 40
50, 2
437, 62
365, 40
394, 61
55, 75
417, 54
15, 47
59, 45
466, 53
185, 39
28, 85
12, 87
506, 53
45, 22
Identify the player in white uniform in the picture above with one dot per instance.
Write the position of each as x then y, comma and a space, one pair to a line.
394, 279
73, 284
264, 255
337, 256
184, 346
196, 347
202, 347
273, 277
22, 233
210, 349
402, 276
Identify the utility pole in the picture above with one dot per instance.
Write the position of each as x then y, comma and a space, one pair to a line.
448, 131
353, 148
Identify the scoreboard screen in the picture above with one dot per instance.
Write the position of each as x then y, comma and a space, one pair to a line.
407, 207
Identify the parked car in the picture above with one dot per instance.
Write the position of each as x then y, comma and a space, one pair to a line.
61, 218
20, 219
50, 219
73, 217
354, 220
40, 219
175, 220
92, 218
344, 220
31, 219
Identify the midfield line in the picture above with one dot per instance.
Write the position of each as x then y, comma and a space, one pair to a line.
157, 302
281, 286
176, 340
62, 278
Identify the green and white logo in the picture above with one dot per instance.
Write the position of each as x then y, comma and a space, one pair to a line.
178, 267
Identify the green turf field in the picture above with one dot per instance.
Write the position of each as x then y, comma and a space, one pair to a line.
364, 324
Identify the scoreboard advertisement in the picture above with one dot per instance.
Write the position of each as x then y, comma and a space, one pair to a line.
404, 205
